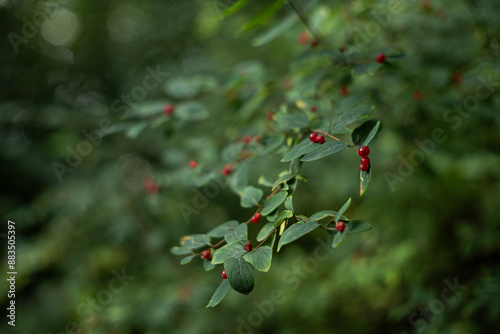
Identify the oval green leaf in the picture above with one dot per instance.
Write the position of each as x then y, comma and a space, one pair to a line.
260, 258
233, 249
296, 231
236, 233
272, 203
326, 149
251, 196
240, 274
219, 293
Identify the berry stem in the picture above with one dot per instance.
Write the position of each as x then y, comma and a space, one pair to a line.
270, 233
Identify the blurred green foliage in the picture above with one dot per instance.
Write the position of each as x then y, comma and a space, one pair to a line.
435, 216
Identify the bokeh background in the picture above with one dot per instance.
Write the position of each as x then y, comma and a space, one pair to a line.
93, 247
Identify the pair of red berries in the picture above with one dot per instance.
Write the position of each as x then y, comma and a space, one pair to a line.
363, 152
340, 226
255, 218
227, 170
315, 138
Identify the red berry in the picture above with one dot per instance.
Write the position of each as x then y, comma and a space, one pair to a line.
206, 254
363, 151
313, 137
227, 170
365, 161
313, 109
255, 218
315, 43
364, 168
223, 274
320, 139
248, 246
344, 91
458, 78
417, 95
381, 58
248, 139
150, 186
168, 110
193, 164
303, 38
340, 226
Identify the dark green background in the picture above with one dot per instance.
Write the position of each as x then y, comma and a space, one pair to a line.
437, 223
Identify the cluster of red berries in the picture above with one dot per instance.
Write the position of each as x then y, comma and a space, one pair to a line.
315, 138
363, 152
340, 226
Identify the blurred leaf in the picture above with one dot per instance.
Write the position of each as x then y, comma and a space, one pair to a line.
265, 181
135, 130
302, 148
186, 87
291, 121
295, 166
367, 133
207, 265
261, 17
233, 249
236, 233
353, 115
251, 197
272, 203
365, 68
289, 203
260, 258
296, 231
232, 152
193, 241
193, 111
180, 250
272, 143
239, 178
219, 293
326, 149
339, 236
275, 31
221, 230
187, 259
234, 8
240, 274
356, 226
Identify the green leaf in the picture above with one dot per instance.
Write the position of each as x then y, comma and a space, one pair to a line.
325, 213
192, 111
148, 108
264, 231
233, 249
352, 115
180, 250
222, 229
282, 216
289, 203
342, 210
295, 166
195, 240
232, 152
234, 8
364, 68
219, 293
272, 203
367, 133
260, 258
207, 265
239, 178
272, 143
240, 274
265, 181
135, 130
356, 226
302, 148
251, 197
338, 239
291, 121
275, 31
236, 233
187, 259
261, 17
365, 178
296, 231
283, 178
326, 149
186, 87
